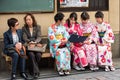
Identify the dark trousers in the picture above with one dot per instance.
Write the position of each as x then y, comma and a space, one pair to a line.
34, 59
15, 60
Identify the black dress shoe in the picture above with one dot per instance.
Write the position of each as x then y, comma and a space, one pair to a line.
36, 76
13, 77
24, 75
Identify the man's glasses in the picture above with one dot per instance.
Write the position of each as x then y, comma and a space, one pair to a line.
16, 24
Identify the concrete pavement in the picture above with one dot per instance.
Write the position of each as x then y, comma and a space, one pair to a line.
51, 74
90, 76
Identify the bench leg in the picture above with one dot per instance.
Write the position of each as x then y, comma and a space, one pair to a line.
9, 65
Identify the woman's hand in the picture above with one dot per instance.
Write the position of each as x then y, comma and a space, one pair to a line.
80, 43
87, 42
39, 45
71, 46
64, 40
32, 45
18, 45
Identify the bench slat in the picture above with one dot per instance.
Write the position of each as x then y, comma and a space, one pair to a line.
46, 55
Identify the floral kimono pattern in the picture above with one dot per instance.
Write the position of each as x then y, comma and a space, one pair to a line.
78, 51
105, 36
73, 29
90, 49
62, 55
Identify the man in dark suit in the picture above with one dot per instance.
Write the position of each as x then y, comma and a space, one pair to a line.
13, 41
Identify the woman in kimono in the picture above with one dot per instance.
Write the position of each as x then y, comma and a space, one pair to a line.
79, 57
105, 38
58, 37
89, 30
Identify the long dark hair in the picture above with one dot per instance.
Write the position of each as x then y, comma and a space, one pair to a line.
72, 15
33, 18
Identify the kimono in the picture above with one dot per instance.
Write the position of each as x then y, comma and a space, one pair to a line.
106, 37
78, 51
89, 30
61, 54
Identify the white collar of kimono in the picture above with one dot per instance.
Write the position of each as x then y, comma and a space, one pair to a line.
100, 24
101, 27
58, 25
86, 23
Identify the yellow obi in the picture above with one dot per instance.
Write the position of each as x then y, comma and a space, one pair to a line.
86, 34
59, 36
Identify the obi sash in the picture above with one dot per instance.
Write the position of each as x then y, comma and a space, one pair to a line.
59, 36
101, 35
86, 34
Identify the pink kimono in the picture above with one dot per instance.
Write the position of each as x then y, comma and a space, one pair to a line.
90, 49
105, 37
77, 49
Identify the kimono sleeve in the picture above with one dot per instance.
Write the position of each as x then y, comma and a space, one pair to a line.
66, 34
51, 36
94, 34
54, 43
109, 35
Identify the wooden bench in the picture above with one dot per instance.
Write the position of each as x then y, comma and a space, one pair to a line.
8, 59
46, 54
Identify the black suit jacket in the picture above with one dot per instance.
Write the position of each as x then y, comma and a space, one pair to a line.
27, 37
8, 40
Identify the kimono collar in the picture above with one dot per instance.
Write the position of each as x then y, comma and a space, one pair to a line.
101, 27
53, 26
87, 24
100, 24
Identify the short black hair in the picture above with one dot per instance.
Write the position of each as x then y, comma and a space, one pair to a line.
99, 14
58, 16
85, 15
11, 22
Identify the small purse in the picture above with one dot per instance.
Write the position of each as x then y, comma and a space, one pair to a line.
38, 49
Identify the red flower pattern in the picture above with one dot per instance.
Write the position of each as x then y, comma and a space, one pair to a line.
103, 60
110, 34
51, 37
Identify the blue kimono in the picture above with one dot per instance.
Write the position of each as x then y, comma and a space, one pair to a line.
59, 50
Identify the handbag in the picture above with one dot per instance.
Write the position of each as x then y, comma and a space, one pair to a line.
38, 49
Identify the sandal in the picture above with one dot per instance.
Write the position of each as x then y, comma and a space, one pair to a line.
67, 72
76, 68
61, 73
107, 68
112, 68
